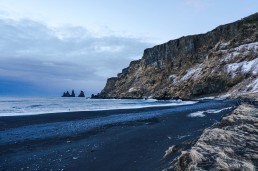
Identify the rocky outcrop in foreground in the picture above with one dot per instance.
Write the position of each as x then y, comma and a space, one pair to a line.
231, 145
222, 60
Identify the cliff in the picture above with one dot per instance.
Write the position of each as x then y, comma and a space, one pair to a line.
222, 60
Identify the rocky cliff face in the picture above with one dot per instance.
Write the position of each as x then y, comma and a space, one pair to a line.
222, 60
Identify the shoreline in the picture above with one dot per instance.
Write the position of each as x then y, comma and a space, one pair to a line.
7, 122
171, 104
140, 144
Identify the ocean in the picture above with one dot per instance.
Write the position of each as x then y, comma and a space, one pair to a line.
13, 106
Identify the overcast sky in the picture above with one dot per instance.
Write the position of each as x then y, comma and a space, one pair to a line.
50, 46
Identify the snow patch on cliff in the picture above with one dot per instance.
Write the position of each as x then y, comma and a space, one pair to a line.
253, 86
242, 50
230, 56
221, 45
250, 47
243, 67
173, 78
191, 73
247, 86
132, 90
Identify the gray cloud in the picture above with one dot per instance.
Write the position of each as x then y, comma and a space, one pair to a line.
62, 58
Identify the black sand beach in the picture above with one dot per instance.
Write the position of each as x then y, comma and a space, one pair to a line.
103, 140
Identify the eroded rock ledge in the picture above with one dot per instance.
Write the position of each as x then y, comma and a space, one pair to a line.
231, 145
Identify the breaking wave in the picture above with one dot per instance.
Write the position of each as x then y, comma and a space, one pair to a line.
13, 106
210, 111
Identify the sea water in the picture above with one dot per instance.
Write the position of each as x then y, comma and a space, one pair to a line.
13, 106
210, 110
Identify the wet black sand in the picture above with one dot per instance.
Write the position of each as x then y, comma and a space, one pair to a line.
130, 145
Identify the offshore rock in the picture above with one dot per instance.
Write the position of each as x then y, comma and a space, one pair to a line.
63, 94
81, 94
222, 60
73, 94
66, 94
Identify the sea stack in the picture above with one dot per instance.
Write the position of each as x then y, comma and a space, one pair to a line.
73, 94
66, 94
81, 94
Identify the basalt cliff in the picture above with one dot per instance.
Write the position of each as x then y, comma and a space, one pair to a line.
224, 60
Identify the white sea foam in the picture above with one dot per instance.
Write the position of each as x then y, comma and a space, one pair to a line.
12, 106
207, 98
197, 114
243, 67
202, 113
73, 127
183, 136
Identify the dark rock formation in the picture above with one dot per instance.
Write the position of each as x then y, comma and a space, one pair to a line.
97, 96
81, 94
109, 87
192, 66
73, 94
66, 94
